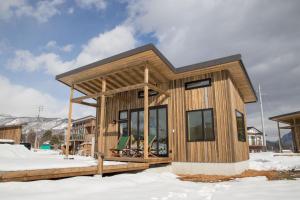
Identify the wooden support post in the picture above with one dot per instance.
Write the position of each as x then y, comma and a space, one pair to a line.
101, 129
146, 80
279, 138
69, 122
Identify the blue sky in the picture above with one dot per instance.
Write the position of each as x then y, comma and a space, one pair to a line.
39, 39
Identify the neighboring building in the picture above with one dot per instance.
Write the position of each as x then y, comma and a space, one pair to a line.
255, 139
197, 112
82, 133
292, 122
11, 133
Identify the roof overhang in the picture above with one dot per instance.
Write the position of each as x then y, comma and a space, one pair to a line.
287, 118
133, 62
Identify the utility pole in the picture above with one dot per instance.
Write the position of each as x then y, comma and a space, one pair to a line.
40, 109
262, 116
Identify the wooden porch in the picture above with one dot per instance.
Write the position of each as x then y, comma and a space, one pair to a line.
149, 160
57, 173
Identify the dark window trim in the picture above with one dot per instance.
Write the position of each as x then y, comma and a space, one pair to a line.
237, 128
200, 80
142, 109
122, 121
213, 125
141, 93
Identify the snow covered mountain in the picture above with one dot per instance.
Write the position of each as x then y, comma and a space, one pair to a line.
35, 124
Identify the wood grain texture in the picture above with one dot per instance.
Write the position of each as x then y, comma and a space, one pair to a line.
222, 96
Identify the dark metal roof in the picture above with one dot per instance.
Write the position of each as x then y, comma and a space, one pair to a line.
148, 47
285, 115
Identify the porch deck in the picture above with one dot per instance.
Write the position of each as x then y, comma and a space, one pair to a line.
45, 174
150, 160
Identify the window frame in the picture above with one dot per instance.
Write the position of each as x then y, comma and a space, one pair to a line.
141, 93
196, 87
120, 121
237, 126
203, 129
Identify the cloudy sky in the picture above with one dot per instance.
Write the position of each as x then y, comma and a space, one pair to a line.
39, 39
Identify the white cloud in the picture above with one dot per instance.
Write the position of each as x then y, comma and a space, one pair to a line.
18, 100
50, 62
71, 10
117, 40
52, 45
98, 4
23, 101
41, 11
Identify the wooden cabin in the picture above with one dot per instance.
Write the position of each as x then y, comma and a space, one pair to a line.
196, 112
11, 133
292, 122
82, 133
255, 140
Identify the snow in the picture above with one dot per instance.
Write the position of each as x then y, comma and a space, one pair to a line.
18, 157
267, 161
144, 185
149, 185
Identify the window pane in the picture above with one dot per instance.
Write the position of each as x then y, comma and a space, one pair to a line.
134, 131
195, 126
208, 125
123, 129
162, 131
123, 115
240, 126
141, 126
153, 128
150, 93
198, 84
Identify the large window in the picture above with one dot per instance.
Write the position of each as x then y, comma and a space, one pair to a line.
198, 84
200, 125
123, 123
240, 122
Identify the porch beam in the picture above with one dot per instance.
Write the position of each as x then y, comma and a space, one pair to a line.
146, 105
69, 122
79, 99
87, 103
124, 89
101, 129
157, 89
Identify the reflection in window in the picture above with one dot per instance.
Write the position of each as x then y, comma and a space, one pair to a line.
200, 125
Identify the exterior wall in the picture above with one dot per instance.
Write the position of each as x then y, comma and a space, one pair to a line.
222, 96
12, 133
241, 151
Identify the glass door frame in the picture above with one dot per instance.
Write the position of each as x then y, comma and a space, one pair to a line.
157, 126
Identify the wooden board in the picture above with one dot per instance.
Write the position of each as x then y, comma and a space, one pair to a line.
44, 174
155, 160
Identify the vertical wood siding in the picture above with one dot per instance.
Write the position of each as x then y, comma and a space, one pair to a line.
222, 96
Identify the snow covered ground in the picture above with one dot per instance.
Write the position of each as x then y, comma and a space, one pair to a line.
17, 157
267, 161
148, 184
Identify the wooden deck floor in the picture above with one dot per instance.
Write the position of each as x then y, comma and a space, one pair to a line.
44, 174
151, 160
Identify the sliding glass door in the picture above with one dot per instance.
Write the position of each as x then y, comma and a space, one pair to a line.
157, 129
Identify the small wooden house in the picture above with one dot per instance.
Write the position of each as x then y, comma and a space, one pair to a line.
292, 122
196, 112
256, 140
11, 133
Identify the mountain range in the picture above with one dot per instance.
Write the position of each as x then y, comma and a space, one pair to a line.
36, 124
